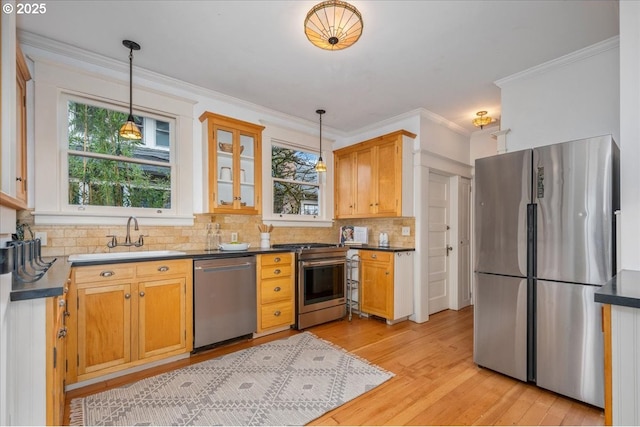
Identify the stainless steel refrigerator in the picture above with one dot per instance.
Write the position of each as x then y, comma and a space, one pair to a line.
544, 243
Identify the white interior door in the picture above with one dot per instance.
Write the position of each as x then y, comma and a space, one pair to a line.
464, 243
438, 243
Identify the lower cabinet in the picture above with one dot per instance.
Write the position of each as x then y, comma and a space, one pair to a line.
276, 293
386, 284
127, 315
57, 354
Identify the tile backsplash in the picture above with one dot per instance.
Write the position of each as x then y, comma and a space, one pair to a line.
63, 240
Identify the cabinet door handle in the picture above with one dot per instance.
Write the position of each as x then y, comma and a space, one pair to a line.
276, 271
127, 296
142, 292
277, 289
163, 268
277, 313
107, 273
276, 259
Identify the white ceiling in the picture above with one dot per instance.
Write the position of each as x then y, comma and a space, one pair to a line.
439, 55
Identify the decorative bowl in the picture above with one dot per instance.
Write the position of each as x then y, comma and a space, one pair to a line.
228, 148
234, 246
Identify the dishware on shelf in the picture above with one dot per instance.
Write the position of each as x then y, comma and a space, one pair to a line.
242, 176
234, 246
228, 148
225, 173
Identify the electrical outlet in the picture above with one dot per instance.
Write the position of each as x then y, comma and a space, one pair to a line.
42, 236
234, 237
406, 231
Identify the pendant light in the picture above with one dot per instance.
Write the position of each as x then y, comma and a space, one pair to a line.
321, 165
482, 120
130, 130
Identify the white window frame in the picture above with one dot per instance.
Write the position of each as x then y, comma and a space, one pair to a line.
66, 152
54, 84
296, 140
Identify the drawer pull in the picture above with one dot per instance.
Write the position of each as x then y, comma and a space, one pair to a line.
127, 296
107, 273
163, 268
277, 313
277, 271
276, 289
277, 259
374, 256
141, 293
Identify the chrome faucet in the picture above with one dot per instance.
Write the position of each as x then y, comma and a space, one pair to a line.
127, 240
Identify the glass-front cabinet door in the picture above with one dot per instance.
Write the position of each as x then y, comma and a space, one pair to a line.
234, 161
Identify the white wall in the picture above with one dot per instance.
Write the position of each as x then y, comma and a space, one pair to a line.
572, 97
482, 144
630, 134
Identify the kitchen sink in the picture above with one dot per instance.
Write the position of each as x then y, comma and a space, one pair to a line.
122, 255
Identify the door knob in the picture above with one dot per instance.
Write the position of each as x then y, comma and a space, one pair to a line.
449, 249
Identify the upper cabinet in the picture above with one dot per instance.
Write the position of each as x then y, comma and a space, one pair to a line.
234, 163
23, 76
374, 178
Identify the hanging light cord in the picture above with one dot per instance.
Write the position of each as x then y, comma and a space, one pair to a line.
131, 84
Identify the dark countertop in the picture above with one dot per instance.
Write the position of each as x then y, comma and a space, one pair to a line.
50, 285
623, 289
381, 248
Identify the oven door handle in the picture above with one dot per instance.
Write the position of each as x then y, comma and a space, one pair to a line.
318, 263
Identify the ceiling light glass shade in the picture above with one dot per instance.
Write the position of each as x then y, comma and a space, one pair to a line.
333, 25
321, 166
482, 119
129, 130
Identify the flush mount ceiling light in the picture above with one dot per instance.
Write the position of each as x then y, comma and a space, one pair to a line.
482, 120
129, 130
321, 166
333, 25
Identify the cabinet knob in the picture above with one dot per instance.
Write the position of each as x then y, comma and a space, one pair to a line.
163, 268
107, 273
374, 256
370, 204
276, 259
127, 296
276, 271
277, 313
19, 178
386, 272
142, 292
61, 302
276, 289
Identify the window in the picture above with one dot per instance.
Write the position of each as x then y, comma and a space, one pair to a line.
107, 170
296, 189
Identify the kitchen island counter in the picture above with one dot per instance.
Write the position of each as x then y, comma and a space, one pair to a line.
623, 290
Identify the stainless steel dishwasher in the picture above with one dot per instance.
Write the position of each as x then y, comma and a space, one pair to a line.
224, 300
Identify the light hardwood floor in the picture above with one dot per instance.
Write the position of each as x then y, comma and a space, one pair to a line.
435, 383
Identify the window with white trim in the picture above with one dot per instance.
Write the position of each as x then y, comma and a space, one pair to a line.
104, 169
295, 183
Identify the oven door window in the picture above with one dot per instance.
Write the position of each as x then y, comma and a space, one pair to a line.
323, 283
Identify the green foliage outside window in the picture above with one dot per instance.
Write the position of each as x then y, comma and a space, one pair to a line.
295, 181
98, 178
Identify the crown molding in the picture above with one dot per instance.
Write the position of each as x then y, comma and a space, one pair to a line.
443, 122
578, 55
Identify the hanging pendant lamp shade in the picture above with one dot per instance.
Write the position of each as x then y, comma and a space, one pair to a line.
321, 166
333, 25
482, 120
130, 130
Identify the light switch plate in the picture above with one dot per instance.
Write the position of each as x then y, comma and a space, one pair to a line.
42, 236
406, 231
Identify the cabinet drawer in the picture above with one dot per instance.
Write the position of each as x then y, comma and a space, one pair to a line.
276, 289
104, 273
160, 268
273, 271
276, 314
276, 259
376, 256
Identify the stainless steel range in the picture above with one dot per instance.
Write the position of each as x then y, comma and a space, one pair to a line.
321, 277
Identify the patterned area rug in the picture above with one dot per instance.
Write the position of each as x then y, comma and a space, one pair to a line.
291, 381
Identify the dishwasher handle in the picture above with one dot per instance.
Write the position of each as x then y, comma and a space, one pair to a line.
230, 267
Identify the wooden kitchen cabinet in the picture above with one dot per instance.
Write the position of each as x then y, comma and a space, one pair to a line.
373, 178
56, 358
276, 292
129, 314
234, 162
386, 284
